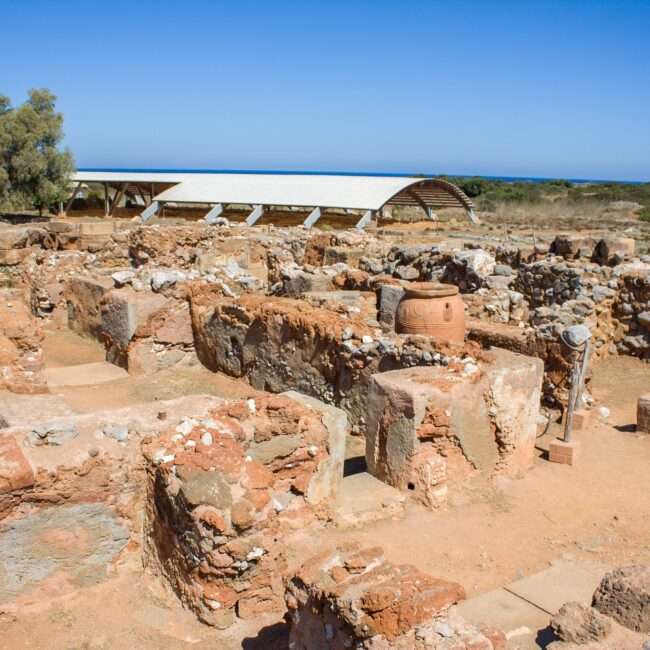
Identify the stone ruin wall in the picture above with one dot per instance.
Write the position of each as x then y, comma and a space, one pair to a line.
223, 491
283, 344
226, 481
352, 597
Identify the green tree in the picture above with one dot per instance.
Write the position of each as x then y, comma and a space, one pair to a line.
34, 172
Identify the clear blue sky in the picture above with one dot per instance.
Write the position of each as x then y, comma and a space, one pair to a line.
554, 88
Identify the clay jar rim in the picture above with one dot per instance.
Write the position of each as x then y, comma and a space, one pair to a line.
430, 290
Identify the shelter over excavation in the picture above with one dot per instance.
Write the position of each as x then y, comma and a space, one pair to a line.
366, 194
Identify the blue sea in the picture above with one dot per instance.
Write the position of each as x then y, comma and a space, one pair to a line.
507, 179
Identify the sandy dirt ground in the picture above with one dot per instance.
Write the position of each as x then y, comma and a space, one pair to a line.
491, 534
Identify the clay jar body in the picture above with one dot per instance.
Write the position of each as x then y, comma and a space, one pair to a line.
432, 309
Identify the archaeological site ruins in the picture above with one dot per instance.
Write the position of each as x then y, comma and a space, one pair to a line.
288, 434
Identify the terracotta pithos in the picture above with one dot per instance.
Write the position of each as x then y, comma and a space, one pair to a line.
432, 309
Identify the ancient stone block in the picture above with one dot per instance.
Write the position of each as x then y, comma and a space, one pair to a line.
474, 415
123, 312
296, 281
326, 480
390, 296
13, 237
351, 597
15, 471
342, 255
502, 335
83, 296
624, 595
577, 623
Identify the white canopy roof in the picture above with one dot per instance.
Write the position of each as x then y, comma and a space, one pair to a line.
303, 190
359, 192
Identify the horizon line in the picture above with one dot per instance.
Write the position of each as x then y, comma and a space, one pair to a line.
198, 170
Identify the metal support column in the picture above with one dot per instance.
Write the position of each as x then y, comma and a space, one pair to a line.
364, 221
149, 211
253, 217
214, 212
313, 217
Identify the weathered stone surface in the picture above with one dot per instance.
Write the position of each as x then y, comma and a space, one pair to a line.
475, 416
354, 303
15, 471
351, 597
203, 488
21, 338
53, 433
83, 297
222, 490
296, 281
327, 479
624, 595
76, 543
342, 255
390, 296
577, 623
123, 311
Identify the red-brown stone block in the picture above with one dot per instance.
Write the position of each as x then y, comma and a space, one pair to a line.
562, 452
347, 597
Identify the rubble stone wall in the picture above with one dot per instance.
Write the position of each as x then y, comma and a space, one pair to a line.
281, 344
21, 338
352, 597
223, 491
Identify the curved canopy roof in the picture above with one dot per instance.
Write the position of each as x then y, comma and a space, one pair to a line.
304, 190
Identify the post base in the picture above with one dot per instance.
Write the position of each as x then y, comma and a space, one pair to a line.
562, 452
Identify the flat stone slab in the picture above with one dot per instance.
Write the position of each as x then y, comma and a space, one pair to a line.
563, 582
77, 542
506, 612
362, 498
20, 410
85, 374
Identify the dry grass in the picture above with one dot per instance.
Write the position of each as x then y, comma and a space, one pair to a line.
562, 214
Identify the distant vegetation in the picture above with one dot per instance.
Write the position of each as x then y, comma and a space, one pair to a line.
34, 173
488, 194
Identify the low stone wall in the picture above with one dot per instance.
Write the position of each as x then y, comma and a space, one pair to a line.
21, 339
282, 344
632, 309
52, 456
352, 597
590, 280
223, 488
142, 331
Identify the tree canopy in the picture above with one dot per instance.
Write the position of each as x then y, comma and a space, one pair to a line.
34, 172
